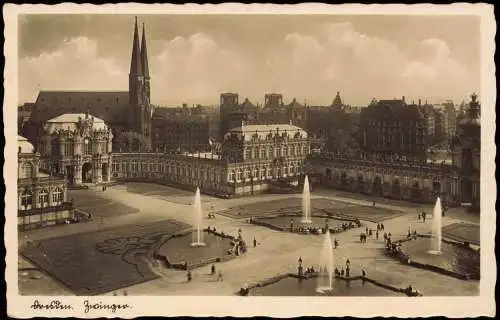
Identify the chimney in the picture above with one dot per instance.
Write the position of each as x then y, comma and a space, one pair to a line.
419, 102
403, 99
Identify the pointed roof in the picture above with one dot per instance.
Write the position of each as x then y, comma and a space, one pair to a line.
337, 102
135, 61
144, 54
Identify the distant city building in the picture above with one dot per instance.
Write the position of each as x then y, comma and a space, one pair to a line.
393, 130
450, 119
78, 147
181, 129
42, 198
24, 115
274, 111
466, 150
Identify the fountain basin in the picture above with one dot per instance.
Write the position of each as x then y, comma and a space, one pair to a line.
291, 285
283, 222
180, 253
454, 259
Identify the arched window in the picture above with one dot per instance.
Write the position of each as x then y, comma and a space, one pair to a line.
26, 170
57, 196
43, 198
26, 200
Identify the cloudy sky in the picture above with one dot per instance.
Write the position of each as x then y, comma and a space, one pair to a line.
193, 58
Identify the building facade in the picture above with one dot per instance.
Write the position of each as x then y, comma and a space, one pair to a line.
181, 129
42, 198
392, 130
416, 182
78, 147
274, 111
252, 157
466, 153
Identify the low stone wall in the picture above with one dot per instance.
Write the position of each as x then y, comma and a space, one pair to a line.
261, 222
406, 259
272, 280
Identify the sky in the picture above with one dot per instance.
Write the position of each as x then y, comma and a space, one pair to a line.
195, 58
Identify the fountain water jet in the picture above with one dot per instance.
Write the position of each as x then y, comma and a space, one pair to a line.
197, 221
325, 279
437, 216
306, 202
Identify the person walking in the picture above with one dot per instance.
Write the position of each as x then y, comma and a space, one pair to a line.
254, 242
189, 276
219, 276
212, 271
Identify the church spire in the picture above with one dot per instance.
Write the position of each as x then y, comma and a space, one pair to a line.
135, 61
144, 53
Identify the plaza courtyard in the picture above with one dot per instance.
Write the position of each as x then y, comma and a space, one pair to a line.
113, 254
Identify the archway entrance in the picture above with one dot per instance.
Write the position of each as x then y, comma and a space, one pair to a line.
343, 180
466, 196
105, 172
377, 186
328, 173
70, 174
436, 187
396, 188
360, 185
87, 172
415, 190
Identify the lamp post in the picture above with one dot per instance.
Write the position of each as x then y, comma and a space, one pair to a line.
300, 267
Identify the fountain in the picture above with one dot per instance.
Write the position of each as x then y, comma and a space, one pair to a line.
306, 202
197, 223
437, 216
326, 264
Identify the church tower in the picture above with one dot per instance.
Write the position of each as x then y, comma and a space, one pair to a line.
139, 86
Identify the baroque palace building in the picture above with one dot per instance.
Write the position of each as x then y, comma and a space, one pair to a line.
78, 147
253, 157
42, 198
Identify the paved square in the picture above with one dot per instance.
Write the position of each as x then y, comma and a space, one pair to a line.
90, 202
288, 205
102, 261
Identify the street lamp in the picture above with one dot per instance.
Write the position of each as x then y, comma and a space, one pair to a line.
300, 267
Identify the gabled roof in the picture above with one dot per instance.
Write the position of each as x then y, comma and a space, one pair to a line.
247, 104
294, 104
106, 105
393, 109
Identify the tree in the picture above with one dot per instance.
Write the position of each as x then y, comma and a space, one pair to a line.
132, 142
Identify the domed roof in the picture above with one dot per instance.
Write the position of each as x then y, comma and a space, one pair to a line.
24, 145
70, 121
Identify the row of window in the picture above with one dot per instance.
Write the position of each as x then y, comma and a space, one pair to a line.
262, 174
69, 148
157, 167
26, 198
266, 153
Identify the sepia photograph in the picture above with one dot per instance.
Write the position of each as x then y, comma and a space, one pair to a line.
249, 155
